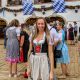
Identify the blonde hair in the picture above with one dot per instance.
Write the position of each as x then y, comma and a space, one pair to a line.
27, 31
24, 28
34, 35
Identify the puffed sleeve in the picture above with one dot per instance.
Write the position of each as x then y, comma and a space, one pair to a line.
18, 31
51, 41
54, 35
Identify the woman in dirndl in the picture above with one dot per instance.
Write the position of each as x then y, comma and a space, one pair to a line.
24, 47
42, 52
64, 59
12, 48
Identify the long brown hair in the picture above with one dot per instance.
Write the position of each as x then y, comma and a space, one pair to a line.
14, 22
46, 30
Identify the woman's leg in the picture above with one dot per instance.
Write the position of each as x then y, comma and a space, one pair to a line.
10, 68
67, 72
64, 69
15, 68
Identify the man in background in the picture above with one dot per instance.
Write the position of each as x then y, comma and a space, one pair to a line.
75, 32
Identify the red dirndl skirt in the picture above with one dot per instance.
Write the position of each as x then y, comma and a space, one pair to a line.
21, 58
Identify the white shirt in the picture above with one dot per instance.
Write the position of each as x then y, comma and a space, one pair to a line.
53, 34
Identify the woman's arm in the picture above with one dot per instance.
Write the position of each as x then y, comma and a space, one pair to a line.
51, 58
30, 45
22, 41
30, 48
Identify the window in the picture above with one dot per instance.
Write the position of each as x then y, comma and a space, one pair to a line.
0, 3
41, 1
14, 2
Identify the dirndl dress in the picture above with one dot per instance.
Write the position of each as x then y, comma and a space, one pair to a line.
12, 49
65, 54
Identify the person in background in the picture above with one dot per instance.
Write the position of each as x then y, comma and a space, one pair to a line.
71, 34
41, 48
65, 30
24, 46
65, 59
54, 37
12, 47
75, 32
5, 38
79, 45
79, 35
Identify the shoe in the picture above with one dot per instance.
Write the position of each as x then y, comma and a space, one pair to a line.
68, 74
62, 76
25, 75
15, 75
10, 75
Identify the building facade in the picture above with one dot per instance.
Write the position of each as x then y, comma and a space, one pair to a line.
12, 9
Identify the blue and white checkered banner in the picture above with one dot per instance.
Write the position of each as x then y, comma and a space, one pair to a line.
27, 7
58, 6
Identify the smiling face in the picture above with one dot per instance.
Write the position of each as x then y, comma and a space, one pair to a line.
40, 25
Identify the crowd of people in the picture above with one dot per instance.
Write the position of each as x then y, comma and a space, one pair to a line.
36, 49
72, 33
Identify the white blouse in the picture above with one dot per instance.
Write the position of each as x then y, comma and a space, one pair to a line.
53, 34
41, 41
17, 30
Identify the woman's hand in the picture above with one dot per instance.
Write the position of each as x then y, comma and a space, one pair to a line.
29, 52
51, 75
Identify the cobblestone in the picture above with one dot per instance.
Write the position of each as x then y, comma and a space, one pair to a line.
73, 67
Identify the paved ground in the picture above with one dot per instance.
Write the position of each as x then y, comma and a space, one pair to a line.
74, 66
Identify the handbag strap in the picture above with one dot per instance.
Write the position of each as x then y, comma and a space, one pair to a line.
62, 45
63, 42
